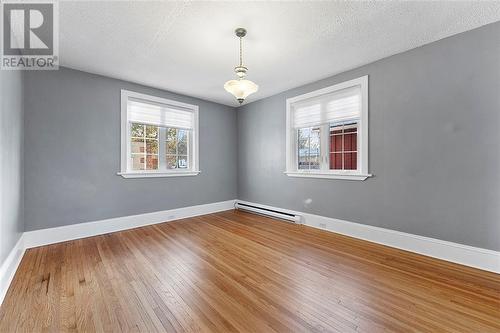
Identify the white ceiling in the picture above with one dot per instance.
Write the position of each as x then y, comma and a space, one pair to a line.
190, 47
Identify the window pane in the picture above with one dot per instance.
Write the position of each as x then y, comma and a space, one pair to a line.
314, 142
171, 147
303, 162
152, 162
138, 146
182, 134
304, 133
138, 162
336, 130
350, 161
314, 149
171, 134
137, 130
309, 148
182, 162
171, 162
314, 162
336, 143
303, 143
303, 147
151, 146
182, 148
336, 161
350, 142
171, 141
152, 132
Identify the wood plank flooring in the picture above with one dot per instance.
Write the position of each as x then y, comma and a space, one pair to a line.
238, 272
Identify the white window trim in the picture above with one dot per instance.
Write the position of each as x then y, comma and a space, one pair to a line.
291, 165
125, 142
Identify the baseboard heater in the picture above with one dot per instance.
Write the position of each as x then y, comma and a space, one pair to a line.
269, 212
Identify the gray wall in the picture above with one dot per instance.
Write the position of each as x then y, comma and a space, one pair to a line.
434, 119
72, 153
11, 161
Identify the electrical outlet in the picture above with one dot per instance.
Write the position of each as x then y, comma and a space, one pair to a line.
322, 225
171, 217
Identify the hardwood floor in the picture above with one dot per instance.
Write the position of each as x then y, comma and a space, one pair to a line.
238, 272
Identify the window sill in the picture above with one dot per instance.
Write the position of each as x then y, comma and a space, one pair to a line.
158, 174
325, 175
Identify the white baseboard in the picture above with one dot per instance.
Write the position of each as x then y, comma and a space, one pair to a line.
476, 257
81, 230
9, 267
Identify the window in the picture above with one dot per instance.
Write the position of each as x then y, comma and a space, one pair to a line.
159, 137
327, 132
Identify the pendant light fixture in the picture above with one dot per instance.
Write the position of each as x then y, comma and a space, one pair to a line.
241, 88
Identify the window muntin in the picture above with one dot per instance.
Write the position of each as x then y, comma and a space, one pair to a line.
339, 115
159, 136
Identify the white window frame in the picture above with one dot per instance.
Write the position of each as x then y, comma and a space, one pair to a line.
362, 142
126, 171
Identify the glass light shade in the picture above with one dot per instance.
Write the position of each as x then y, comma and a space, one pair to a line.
241, 89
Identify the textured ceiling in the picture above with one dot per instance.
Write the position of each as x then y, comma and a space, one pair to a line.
190, 48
